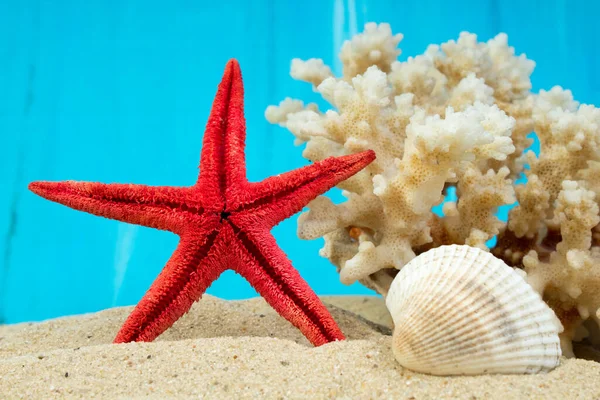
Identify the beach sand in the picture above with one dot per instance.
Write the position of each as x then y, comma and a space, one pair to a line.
243, 349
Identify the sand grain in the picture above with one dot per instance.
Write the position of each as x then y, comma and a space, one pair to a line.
243, 349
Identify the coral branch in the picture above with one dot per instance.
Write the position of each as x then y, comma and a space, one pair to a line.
459, 114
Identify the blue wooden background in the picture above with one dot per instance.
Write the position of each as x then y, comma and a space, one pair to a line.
119, 91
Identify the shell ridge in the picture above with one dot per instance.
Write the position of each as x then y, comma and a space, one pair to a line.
442, 324
460, 310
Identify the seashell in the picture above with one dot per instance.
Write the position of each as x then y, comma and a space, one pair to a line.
458, 310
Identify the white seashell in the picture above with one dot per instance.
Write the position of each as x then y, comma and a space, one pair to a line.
458, 310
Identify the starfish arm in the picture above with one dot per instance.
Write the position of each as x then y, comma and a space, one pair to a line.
269, 271
279, 197
161, 207
222, 163
186, 276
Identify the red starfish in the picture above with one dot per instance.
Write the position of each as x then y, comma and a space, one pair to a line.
223, 222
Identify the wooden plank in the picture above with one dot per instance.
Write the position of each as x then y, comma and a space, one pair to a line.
19, 48
124, 93
120, 91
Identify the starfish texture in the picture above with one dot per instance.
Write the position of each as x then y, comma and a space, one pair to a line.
223, 222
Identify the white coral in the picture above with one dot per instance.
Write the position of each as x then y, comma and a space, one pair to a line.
570, 277
457, 115
421, 146
314, 70
375, 46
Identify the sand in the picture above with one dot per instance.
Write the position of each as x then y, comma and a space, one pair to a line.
243, 349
